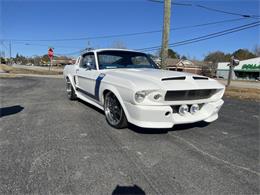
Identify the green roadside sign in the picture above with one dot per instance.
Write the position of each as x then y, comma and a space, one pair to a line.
251, 67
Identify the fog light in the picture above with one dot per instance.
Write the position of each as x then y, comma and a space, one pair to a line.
183, 109
194, 108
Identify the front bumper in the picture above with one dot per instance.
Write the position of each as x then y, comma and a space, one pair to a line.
156, 117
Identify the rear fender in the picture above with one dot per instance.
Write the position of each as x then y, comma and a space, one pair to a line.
70, 77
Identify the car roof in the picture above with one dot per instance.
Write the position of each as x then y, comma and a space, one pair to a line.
107, 49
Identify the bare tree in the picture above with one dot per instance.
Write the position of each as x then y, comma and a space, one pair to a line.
118, 45
256, 50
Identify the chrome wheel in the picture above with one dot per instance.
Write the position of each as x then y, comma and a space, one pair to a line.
113, 109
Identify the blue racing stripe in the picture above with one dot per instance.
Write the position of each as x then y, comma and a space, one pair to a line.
97, 86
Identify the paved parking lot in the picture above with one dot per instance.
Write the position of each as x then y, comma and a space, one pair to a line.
50, 145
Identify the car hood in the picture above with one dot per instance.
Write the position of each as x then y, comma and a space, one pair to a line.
165, 79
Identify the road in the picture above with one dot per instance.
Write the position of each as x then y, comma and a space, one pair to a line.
50, 145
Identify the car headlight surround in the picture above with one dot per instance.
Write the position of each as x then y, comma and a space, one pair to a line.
141, 95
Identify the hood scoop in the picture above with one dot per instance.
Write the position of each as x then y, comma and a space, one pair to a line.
173, 78
200, 78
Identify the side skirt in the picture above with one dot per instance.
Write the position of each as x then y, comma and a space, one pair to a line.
85, 96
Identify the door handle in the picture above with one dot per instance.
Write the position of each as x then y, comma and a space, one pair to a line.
77, 70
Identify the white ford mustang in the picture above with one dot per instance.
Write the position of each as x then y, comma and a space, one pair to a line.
129, 87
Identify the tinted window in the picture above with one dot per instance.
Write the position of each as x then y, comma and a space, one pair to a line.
124, 59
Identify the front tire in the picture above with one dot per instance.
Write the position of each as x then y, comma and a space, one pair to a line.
70, 90
114, 112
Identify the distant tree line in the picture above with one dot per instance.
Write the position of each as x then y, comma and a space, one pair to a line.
218, 56
209, 66
34, 60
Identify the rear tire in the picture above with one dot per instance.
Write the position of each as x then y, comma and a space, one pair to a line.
114, 112
70, 90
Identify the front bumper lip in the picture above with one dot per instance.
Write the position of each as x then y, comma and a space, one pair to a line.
156, 117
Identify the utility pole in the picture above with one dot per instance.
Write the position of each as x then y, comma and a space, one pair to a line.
10, 53
166, 32
233, 62
231, 69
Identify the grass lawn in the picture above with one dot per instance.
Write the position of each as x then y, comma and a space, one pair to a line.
15, 70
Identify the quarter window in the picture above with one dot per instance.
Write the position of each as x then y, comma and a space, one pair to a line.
88, 60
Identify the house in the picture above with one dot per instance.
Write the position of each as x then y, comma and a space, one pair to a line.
184, 65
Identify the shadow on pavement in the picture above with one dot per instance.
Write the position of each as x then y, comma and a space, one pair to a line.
91, 106
128, 190
181, 127
5, 111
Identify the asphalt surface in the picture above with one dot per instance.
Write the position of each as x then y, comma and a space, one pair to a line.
50, 145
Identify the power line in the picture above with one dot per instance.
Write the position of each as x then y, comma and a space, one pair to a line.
197, 39
224, 31
211, 9
206, 37
193, 40
209, 23
218, 35
226, 12
128, 34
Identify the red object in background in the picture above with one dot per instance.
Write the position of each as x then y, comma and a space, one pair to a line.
50, 53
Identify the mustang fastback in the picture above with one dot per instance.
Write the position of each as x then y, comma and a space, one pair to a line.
130, 88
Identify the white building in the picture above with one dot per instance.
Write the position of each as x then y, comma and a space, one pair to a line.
247, 69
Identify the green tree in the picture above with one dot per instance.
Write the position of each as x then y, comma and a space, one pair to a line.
243, 54
215, 57
119, 45
173, 54
2, 60
45, 59
256, 50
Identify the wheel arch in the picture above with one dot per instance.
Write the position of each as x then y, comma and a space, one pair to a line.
118, 96
70, 77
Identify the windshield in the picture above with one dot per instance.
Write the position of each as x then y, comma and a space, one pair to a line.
124, 59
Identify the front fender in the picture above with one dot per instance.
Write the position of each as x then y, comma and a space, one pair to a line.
115, 91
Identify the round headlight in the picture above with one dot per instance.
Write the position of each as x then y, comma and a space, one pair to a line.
157, 96
183, 109
139, 96
194, 108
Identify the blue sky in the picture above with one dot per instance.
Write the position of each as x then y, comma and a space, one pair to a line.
62, 19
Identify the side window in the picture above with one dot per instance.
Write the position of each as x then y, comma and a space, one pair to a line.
88, 60
139, 60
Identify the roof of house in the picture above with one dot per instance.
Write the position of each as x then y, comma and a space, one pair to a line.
185, 63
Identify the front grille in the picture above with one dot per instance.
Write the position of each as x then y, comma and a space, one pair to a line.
189, 94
